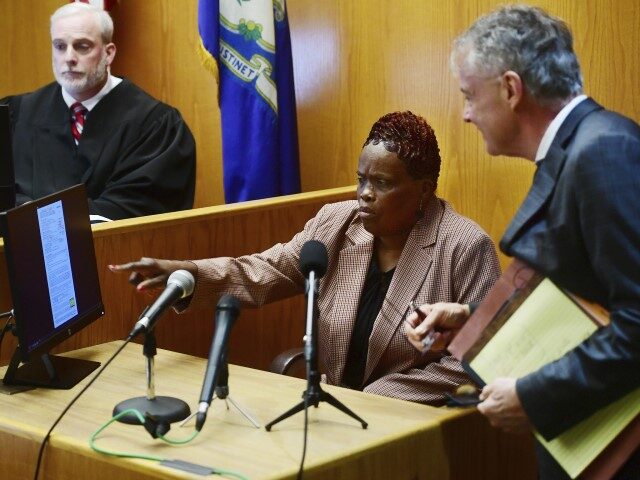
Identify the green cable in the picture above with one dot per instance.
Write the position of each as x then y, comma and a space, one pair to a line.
92, 438
229, 473
140, 417
179, 442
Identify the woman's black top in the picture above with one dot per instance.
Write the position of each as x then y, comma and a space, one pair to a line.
373, 293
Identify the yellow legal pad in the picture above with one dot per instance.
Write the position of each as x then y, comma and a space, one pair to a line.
545, 326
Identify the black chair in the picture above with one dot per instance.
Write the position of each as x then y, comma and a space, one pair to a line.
290, 362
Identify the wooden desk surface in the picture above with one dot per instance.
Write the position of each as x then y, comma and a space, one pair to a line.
404, 440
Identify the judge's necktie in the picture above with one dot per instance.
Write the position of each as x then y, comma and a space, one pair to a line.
78, 113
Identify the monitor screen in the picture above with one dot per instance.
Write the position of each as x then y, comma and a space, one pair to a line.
52, 270
7, 181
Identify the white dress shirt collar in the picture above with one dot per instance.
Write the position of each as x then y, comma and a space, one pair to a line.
555, 125
111, 83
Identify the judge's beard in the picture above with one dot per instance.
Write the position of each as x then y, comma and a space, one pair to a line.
90, 80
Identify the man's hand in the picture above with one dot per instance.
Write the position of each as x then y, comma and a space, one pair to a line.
501, 405
152, 273
443, 318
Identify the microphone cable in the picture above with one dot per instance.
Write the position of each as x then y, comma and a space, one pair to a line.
7, 325
75, 399
143, 421
70, 404
306, 430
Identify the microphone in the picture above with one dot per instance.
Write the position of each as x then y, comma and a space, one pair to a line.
179, 285
313, 264
226, 313
313, 258
222, 383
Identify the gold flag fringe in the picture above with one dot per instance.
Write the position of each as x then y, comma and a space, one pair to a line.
209, 63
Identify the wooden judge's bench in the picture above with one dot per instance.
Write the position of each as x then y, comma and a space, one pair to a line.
429, 442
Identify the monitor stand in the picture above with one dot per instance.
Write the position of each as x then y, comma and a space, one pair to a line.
48, 371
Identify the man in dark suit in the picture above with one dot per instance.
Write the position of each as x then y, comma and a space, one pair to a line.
579, 224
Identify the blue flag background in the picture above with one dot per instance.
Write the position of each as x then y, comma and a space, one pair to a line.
256, 95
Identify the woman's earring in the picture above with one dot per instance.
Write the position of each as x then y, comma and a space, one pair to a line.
420, 211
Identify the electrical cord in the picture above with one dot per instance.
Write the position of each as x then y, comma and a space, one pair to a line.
70, 404
92, 438
306, 429
143, 421
141, 418
7, 326
133, 411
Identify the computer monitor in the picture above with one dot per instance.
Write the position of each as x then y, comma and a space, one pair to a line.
53, 277
7, 180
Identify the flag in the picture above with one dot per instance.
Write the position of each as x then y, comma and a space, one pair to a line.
103, 4
247, 43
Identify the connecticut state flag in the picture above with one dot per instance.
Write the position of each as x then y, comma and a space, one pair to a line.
103, 4
247, 43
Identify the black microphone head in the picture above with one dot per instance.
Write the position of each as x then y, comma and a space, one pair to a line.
184, 280
313, 256
228, 302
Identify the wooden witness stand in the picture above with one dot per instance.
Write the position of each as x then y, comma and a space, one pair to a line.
505, 297
405, 440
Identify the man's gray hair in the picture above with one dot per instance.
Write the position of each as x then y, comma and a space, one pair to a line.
103, 19
528, 41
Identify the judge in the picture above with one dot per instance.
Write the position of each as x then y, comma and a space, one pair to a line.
135, 155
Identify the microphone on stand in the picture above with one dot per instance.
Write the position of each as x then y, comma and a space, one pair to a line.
159, 411
313, 264
179, 285
226, 313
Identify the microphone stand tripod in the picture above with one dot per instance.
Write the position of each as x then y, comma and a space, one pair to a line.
163, 409
314, 394
222, 392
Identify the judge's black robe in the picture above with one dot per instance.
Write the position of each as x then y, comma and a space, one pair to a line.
136, 155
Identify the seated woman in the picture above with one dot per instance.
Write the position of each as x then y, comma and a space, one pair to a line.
397, 245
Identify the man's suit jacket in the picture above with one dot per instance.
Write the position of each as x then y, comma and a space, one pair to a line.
136, 155
580, 226
446, 258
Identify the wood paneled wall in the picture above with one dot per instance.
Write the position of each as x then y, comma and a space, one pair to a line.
353, 62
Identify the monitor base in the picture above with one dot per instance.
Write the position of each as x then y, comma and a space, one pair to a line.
48, 371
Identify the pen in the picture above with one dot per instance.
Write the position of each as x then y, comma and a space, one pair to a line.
427, 341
